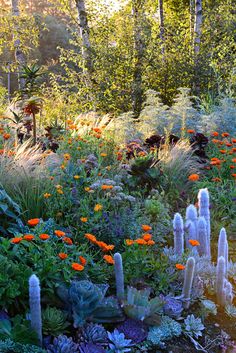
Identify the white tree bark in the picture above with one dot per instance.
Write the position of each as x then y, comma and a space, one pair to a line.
19, 55
137, 12
84, 33
197, 26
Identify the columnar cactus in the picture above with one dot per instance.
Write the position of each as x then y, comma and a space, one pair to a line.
204, 211
35, 306
178, 227
220, 281
119, 274
228, 292
188, 281
191, 233
191, 215
202, 237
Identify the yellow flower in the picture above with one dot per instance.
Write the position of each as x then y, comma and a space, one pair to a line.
67, 156
103, 154
47, 195
58, 186
84, 219
98, 207
76, 177
87, 188
59, 191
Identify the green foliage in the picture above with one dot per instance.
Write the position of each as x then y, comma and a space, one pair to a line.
167, 330
18, 330
9, 212
8, 346
54, 322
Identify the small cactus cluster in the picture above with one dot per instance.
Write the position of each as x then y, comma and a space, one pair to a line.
224, 289
196, 227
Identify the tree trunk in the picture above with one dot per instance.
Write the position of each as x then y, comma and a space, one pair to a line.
191, 18
84, 33
162, 26
19, 55
137, 91
197, 42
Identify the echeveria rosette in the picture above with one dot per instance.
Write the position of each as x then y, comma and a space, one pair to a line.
135, 330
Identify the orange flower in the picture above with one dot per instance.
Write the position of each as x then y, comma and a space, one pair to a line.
109, 259
28, 237
233, 149
129, 242
234, 175
47, 195
91, 238
216, 179
234, 160
119, 156
106, 187
191, 131
60, 191
140, 241
77, 267
82, 260
194, 242
84, 219
59, 233
87, 188
67, 156
228, 144
150, 242
62, 255
103, 154
76, 177
232, 166
98, 207
215, 133
147, 236
16, 240
146, 227
67, 240
180, 267
33, 222
44, 236
6, 136
142, 154
223, 151
96, 129
225, 134
233, 140
215, 141
193, 177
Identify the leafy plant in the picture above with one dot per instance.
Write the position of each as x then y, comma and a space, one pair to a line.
8, 346
54, 321
91, 348
18, 330
193, 326
94, 333
168, 329
119, 344
63, 344
9, 212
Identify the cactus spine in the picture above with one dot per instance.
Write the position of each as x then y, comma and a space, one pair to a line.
202, 236
204, 211
119, 274
178, 226
35, 306
188, 281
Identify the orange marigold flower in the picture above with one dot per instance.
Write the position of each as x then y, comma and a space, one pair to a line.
215, 133
215, 141
60, 191
44, 236
62, 255
140, 241
119, 156
234, 175
96, 129
76, 177
225, 134
28, 237
106, 187
103, 154
77, 267
180, 267
233, 149
194, 242
150, 242
91, 237
109, 259
193, 177
16, 240
98, 207
33, 222
234, 160
59, 233
223, 151
6, 136
147, 236
67, 156
232, 166
228, 144
191, 131
216, 179
142, 154
87, 188
233, 140
146, 227
84, 219
129, 242
82, 260
67, 240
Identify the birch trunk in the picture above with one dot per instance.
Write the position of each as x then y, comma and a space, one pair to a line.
19, 55
162, 26
84, 33
137, 91
197, 42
